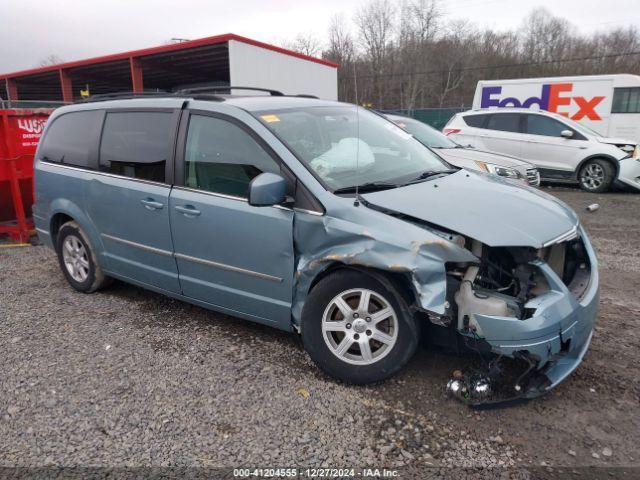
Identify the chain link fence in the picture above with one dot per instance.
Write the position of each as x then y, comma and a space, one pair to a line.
436, 117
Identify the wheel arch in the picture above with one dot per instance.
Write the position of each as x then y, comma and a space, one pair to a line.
609, 158
63, 211
57, 220
398, 282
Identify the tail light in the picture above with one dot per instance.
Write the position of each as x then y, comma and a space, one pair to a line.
449, 131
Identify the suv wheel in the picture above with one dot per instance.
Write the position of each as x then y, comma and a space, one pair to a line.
77, 259
356, 329
596, 175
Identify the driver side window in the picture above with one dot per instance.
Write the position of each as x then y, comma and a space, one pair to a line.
221, 157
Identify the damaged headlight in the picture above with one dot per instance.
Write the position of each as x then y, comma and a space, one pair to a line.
497, 170
631, 150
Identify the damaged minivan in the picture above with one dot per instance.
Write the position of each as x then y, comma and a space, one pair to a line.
320, 218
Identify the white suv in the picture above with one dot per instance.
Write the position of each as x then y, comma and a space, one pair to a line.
562, 149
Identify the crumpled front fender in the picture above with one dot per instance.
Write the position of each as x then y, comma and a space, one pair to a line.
372, 239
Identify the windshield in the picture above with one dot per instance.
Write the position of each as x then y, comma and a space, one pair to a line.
345, 147
424, 133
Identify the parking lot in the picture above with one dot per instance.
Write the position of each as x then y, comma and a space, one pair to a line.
128, 377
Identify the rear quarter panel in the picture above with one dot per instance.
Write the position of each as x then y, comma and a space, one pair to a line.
62, 190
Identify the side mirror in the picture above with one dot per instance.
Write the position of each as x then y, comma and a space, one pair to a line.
566, 133
266, 189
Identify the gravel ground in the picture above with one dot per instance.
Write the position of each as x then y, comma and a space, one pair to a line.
126, 377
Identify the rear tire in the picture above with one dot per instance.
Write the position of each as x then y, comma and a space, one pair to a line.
357, 329
596, 175
78, 260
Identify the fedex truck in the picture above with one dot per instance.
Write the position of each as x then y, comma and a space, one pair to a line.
608, 104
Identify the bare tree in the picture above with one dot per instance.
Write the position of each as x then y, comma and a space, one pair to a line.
340, 47
305, 43
341, 50
408, 55
374, 22
546, 37
453, 54
51, 59
620, 40
419, 25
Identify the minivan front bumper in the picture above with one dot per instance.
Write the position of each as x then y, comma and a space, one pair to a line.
558, 334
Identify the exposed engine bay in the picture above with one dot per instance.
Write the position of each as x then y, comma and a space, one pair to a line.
507, 278
503, 285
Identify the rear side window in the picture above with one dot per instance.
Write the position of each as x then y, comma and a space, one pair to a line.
71, 137
504, 122
221, 157
137, 144
474, 120
541, 125
626, 100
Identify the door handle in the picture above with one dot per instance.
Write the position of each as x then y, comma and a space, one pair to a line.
188, 210
151, 204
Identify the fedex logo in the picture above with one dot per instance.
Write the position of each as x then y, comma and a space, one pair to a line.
553, 98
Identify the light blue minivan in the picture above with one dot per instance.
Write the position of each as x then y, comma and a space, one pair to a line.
320, 218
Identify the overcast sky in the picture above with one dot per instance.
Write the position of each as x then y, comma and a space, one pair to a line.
31, 30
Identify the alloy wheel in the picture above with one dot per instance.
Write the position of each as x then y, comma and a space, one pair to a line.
75, 258
360, 326
592, 176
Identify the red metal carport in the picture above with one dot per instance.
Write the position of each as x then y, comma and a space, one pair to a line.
165, 67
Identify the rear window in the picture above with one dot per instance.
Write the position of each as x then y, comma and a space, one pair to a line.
474, 120
504, 122
70, 138
136, 144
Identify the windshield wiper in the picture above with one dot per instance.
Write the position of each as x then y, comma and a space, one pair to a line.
366, 187
428, 174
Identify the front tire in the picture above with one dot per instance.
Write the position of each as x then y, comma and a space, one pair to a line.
78, 260
596, 175
357, 329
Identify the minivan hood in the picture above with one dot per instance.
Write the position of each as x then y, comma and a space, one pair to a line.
487, 208
452, 155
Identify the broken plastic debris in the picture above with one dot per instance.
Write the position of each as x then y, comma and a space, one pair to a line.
470, 389
457, 389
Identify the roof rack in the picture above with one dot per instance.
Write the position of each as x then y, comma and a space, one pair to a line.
205, 93
306, 95
117, 95
218, 88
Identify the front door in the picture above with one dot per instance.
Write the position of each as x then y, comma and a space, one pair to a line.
547, 149
229, 253
128, 200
